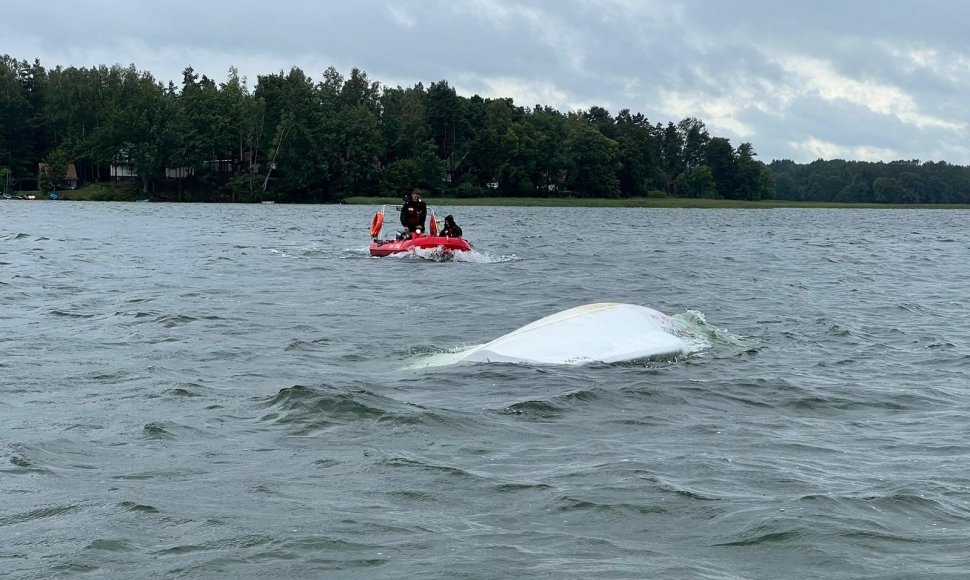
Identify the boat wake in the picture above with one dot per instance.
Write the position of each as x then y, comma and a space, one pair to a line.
441, 255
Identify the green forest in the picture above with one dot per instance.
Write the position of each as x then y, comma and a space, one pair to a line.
291, 138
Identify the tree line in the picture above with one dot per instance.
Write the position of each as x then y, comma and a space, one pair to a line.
294, 139
896, 182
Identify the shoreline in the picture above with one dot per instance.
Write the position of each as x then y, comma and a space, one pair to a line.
646, 202
102, 192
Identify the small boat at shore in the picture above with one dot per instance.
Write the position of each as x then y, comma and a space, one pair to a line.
415, 241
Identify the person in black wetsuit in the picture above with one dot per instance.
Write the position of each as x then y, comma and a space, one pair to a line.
413, 212
451, 229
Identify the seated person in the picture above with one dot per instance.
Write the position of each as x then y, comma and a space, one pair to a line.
404, 234
451, 229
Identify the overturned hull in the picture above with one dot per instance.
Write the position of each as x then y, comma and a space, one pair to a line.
602, 332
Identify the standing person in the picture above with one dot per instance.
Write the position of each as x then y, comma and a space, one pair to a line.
451, 229
413, 212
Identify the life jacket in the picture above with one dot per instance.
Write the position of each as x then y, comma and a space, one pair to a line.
413, 213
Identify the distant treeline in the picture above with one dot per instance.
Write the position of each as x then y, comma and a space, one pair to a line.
293, 139
896, 182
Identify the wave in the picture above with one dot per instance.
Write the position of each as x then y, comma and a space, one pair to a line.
66, 314
554, 408
408, 462
692, 326
134, 507
307, 410
22, 461
931, 502
536, 410
38, 514
766, 534
568, 504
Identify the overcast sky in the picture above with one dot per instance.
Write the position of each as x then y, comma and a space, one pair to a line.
849, 79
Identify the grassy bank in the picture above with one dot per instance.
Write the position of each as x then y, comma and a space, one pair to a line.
102, 192
670, 202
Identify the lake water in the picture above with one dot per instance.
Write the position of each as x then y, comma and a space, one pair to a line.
240, 391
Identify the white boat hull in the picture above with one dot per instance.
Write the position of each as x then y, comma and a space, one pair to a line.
602, 332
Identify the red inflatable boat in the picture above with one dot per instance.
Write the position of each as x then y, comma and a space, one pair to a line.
417, 241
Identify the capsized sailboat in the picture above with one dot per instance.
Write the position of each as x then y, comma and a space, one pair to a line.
602, 332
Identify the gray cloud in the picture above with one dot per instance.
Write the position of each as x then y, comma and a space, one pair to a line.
856, 80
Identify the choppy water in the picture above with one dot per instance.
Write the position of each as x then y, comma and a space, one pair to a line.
235, 391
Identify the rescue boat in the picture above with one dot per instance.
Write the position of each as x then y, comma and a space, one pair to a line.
417, 240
